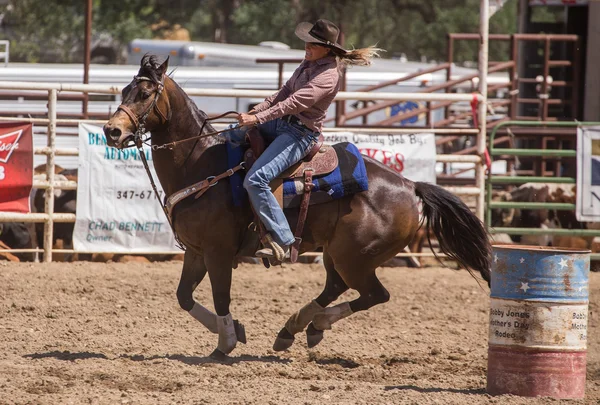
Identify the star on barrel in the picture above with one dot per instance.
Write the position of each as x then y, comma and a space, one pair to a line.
522, 260
524, 287
563, 263
496, 258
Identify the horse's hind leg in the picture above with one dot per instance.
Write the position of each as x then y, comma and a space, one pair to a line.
371, 291
194, 270
334, 287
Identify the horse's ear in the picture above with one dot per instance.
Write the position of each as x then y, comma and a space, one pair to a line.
162, 69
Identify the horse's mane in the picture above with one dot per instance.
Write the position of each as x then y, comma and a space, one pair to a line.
149, 67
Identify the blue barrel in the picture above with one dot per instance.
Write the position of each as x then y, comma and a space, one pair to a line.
538, 321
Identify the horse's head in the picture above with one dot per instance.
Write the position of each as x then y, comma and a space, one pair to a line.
142, 107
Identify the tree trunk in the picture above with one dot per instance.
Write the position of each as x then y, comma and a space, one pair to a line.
222, 14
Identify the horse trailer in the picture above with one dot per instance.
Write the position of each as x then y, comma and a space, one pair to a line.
257, 77
191, 53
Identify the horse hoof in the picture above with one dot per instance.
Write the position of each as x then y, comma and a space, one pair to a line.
219, 356
282, 344
240, 331
313, 336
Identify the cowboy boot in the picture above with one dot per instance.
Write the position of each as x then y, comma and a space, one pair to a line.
272, 250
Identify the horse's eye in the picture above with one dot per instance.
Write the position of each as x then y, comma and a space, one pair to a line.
145, 95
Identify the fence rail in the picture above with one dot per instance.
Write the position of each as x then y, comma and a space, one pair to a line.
507, 180
342, 95
51, 151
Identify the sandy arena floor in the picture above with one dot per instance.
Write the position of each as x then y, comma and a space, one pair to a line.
90, 333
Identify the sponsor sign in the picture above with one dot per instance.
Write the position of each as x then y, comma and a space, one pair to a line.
16, 167
117, 210
411, 155
588, 174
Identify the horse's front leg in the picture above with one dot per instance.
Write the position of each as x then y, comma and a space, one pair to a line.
219, 265
194, 270
334, 287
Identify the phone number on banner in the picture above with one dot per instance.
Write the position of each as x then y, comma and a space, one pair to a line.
136, 194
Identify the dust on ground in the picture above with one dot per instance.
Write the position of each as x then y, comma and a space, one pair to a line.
95, 333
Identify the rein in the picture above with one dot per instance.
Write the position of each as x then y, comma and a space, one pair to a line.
170, 145
140, 148
138, 140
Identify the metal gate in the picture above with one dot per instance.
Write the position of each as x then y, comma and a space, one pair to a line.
519, 180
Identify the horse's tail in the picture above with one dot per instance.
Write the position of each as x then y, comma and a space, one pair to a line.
460, 234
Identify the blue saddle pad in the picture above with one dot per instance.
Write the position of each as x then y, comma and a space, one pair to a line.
348, 178
234, 157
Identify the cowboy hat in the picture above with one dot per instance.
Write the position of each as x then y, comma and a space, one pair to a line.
322, 32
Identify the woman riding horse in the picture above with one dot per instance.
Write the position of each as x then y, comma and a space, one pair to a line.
291, 120
357, 232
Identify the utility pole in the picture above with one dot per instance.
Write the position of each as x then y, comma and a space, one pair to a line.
87, 55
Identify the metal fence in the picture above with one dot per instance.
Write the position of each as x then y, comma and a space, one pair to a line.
49, 217
519, 180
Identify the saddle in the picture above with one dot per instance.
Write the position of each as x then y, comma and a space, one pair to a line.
321, 160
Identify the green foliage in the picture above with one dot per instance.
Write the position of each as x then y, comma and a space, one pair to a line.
124, 19
53, 30
415, 28
34, 29
251, 28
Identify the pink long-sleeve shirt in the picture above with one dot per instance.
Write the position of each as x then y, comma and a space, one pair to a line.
307, 94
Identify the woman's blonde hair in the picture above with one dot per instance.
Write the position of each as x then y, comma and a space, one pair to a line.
358, 57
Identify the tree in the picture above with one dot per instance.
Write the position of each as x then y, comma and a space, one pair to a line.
53, 30
416, 28
34, 30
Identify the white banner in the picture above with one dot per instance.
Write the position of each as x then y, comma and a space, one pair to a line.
588, 174
411, 155
117, 210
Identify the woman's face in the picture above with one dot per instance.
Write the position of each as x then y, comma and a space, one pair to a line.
315, 51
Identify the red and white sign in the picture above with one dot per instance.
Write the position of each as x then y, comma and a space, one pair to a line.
16, 167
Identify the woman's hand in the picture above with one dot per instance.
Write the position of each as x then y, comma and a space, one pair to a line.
247, 119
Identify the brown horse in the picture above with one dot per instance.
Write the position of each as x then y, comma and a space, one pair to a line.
357, 233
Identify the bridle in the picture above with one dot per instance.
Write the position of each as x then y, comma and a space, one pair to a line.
139, 123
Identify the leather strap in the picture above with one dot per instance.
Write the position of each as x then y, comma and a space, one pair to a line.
262, 233
315, 149
134, 118
162, 116
308, 186
199, 188
176, 197
204, 185
130, 114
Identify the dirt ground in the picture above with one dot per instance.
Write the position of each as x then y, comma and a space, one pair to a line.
91, 333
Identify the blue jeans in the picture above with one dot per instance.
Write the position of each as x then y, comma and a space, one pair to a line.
290, 143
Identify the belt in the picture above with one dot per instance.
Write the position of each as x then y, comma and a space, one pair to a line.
292, 119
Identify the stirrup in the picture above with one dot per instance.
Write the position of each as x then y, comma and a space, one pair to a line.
272, 250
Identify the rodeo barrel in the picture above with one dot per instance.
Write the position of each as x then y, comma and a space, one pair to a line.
538, 321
